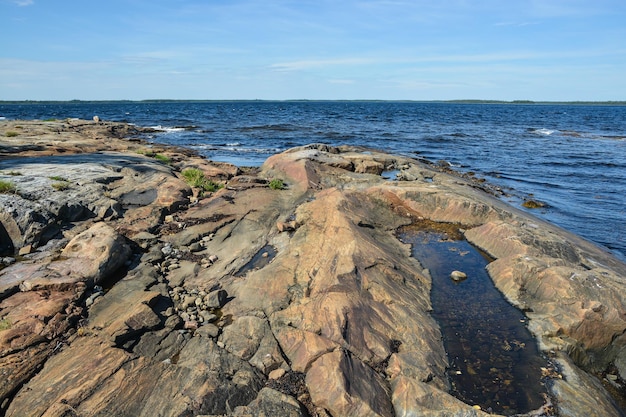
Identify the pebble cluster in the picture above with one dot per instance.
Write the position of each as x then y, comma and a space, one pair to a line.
194, 307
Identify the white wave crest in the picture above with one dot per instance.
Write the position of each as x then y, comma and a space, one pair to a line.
544, 131
168, 129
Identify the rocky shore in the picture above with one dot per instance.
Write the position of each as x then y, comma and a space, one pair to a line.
130, 287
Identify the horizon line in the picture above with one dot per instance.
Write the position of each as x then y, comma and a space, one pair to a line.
469, 101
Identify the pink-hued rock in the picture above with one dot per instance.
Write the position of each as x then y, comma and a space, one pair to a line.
337, 322
97, 252
345, 386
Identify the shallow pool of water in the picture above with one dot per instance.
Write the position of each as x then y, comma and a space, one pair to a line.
494, 360
262, 258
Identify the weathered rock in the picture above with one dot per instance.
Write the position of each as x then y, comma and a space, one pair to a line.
571, 306
345, 386
369, 167
215, 299
125, 311
409, 395
30, 324
251, 339
270, 402
303, 347
90, 257
342, 306
579, 394
98, 252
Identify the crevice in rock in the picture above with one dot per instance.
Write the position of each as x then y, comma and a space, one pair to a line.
237, 223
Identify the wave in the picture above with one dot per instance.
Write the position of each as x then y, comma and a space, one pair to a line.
542, 131
168, 129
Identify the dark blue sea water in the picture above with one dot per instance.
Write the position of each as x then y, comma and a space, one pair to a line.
572, 157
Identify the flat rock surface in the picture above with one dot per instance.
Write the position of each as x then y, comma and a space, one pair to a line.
137, 294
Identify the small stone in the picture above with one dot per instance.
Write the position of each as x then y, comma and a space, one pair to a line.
213, 258
198, 301
208, 330
215, 299
533, 204
173, 266
611, 377
25, 250
169, 311
185, 316
286, 226
168, 219
96, 119
173, 322
207, 238
277, 373
195, 247
458, 276
208, 317
476, 407
220, 344
190, 325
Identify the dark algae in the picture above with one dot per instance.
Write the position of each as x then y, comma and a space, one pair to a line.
494, 361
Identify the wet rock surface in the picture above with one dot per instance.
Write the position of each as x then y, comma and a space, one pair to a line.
137, 295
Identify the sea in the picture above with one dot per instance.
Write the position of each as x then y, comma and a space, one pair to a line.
571, 157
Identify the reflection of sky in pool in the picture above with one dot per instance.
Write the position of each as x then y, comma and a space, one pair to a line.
494, 360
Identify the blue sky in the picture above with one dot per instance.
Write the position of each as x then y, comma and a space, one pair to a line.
343, 49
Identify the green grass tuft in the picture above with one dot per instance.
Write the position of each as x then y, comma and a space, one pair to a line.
5, 324
58, 178
61, 185
196, 178
11, 134
7, 187
162, 158
277, 184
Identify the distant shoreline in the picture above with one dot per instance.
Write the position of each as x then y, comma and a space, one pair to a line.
459, 101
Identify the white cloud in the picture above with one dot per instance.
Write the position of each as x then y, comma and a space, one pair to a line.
317, 63
23, 3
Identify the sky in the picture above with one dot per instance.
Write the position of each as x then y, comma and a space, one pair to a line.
542, 50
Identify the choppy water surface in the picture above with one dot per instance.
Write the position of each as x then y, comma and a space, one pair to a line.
571, 157
494, 361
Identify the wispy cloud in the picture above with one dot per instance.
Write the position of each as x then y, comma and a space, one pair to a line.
23, 3
318, 63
